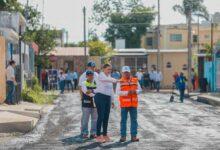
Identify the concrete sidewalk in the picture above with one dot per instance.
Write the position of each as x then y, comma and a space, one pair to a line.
209, 99
20, 118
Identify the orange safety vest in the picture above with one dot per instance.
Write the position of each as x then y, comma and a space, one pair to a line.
130, 100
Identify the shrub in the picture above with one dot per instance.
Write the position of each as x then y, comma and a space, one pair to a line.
36, 94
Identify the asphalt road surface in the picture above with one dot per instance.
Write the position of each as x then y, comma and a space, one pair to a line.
162, 126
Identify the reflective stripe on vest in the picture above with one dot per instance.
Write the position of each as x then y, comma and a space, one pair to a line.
132, 99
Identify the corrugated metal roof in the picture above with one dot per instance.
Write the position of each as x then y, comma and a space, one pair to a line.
69, 51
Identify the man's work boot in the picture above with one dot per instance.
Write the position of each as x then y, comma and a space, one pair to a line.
122, 139
134, 139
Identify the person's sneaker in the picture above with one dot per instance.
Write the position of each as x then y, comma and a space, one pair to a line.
122, 139
100, 139
93, 136
134, 139
107, 138
85, 136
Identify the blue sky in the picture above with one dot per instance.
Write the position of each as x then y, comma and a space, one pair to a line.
67, 14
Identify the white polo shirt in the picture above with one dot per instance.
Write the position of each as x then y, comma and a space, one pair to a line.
10, 73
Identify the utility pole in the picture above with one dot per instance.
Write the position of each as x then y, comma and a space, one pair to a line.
189, 49
43, 13
84, 32
212, 53
198, 36
158, 38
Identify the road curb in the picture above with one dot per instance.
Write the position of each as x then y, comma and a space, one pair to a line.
214, 101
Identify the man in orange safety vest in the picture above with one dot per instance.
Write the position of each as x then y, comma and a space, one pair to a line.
128, 89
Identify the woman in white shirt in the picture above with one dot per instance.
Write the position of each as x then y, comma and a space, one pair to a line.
103, 100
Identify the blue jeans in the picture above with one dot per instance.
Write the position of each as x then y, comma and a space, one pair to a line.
62, 86
86, 114
133, 117
182, 93
158, 86
11, 91
103, 104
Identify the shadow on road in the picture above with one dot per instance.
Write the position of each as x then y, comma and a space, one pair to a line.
73, 140
95, 145
78, 140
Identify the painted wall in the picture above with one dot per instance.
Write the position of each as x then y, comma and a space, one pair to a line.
177, 61
2, 70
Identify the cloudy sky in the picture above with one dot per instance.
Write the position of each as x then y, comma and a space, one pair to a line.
68, 14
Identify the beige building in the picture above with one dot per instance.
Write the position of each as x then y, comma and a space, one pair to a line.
173, 45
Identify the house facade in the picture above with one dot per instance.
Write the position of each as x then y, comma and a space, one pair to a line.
174, 38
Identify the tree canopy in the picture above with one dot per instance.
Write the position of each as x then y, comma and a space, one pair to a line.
192, 7
102, 9
130, 26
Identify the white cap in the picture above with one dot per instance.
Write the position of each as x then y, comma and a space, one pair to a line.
126, 69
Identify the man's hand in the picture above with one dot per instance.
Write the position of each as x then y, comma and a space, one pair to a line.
113, 105
15, 83
89, 92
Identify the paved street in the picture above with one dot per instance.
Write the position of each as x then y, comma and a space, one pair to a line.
162, 125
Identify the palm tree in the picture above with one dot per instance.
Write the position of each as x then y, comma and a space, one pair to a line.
188, 9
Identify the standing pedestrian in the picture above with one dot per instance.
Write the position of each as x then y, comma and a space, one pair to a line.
88, 106
115, 74
68, 80
181, 81
158, 79
128, 89
90, 66
75, 79
11, 82
175, 77
104, 99
151, 74
139, 75
146, 80
193, 79
62, 78
44, 80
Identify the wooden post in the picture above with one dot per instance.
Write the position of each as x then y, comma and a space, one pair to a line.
2, 70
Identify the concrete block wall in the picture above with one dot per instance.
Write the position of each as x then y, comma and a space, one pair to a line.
2, 70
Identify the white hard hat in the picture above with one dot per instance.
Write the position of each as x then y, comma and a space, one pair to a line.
126, 69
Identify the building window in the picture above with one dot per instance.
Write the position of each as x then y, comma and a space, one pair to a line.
149, 41
176, 37
195, 38
169, 65
184, 67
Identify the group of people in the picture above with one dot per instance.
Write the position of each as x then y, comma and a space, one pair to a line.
150, 80
98, 97
67, 79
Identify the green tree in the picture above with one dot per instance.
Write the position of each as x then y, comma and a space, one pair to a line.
189, 8
103, 9
10, 5
98, 48
130, 26
45, 38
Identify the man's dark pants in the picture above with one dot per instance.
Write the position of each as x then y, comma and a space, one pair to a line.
10, 94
